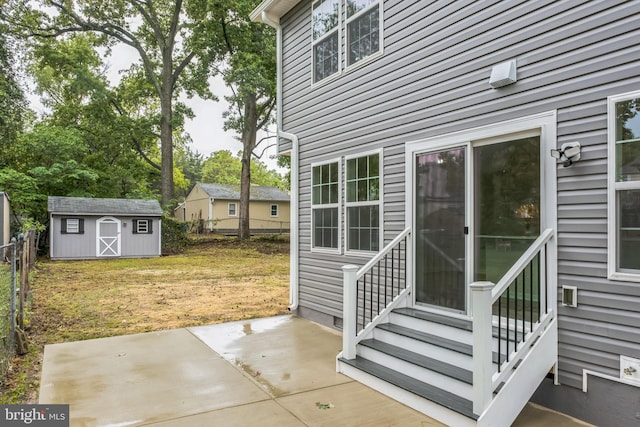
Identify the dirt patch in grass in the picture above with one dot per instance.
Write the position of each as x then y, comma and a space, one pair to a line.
213, 281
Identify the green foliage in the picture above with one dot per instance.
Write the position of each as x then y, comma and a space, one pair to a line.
225, 168
32, 224
12, 100
174, 236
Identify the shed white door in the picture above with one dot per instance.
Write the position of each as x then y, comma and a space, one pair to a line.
108, 237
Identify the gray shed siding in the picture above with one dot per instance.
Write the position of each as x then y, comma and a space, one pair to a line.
433, 80
83, 246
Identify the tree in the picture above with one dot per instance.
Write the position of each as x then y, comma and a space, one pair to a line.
247, 63
13, 104
160, 32
225, 168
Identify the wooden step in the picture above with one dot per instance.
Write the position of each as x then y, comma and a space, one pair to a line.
426, 391
420, 360
435, 340
453, 322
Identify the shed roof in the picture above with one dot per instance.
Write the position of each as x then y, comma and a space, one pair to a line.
232, 192
91, 206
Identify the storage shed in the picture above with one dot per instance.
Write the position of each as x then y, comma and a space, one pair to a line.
87, 228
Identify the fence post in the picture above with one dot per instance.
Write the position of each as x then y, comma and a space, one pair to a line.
13, 293
349, 302
482, 345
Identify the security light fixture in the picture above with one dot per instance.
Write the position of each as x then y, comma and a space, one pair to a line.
567, 154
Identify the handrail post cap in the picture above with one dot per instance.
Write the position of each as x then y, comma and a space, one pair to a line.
350, 267
481, 286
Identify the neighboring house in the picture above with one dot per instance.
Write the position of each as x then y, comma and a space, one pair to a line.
5, 219
85, 228
215, 208
426, 128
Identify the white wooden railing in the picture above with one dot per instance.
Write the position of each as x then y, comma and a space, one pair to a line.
519, 335
372, 291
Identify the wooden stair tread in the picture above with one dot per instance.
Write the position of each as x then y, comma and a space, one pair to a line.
441, 397
420, 360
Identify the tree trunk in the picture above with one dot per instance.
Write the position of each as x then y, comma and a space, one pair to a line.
248, 144
166, 132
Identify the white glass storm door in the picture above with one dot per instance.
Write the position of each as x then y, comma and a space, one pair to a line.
108, 237
476, 211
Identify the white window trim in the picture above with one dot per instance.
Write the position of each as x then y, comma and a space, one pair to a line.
235, 209
613, 186
338, 249
277, 210
347, 251
343, 67
72, 230
374, 55
146, 226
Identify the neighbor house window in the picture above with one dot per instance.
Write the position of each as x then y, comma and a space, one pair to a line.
274, 210
624, 186
325, 205
232, 209
72, 226
363, 203
142, 226
363, 29
362, 25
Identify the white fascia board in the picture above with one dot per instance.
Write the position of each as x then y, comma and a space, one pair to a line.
275, 8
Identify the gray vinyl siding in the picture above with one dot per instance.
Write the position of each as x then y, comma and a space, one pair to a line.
83, 246
432, 80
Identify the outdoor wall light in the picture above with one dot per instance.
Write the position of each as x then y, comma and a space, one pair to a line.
567, 154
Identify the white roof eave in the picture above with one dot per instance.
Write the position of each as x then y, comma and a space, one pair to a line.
274, 8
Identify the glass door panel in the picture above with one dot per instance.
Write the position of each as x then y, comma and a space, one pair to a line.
506, 179
440, 229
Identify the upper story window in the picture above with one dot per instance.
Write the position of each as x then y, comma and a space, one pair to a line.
624, 186
363, 29
361, 22
325, 206
326, 27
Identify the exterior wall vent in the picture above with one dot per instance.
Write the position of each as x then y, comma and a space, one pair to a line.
503, 74
569, 296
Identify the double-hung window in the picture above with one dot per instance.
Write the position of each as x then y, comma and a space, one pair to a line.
325, 206
360, 20
232, 209
326, 36
363, 203
274, 210
363, 29
624, 186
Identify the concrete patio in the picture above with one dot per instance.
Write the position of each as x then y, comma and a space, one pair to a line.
276, 371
